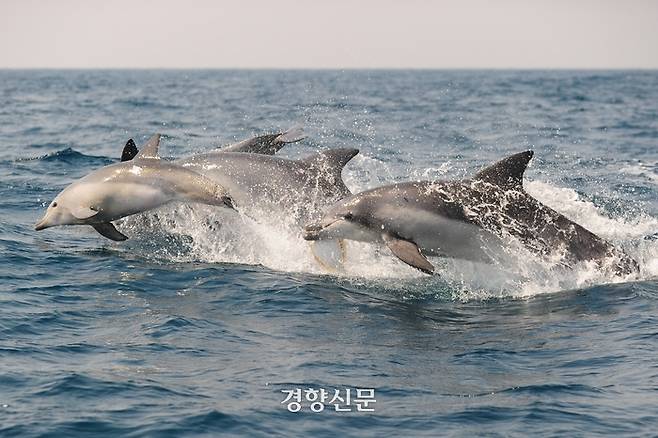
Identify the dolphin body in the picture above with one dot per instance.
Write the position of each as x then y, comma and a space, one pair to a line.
260, 182
299, 189
468, 219
139, 183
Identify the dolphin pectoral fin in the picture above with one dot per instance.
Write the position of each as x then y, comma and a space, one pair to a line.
129, 151
106, 229
83, 212
409, 253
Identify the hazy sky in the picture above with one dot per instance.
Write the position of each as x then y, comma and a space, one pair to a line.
329, 34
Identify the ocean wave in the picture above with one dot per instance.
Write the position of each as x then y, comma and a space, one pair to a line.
68, 156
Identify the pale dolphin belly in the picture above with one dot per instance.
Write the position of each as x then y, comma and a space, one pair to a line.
440, 236
125, 199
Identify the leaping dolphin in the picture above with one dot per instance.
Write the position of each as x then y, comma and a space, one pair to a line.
132, 186
267, 144
257, 180
467, 219
273, 189
300, 189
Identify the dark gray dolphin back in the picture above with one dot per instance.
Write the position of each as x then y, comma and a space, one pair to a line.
501, 205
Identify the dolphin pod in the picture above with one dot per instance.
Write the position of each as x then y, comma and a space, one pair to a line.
472, 219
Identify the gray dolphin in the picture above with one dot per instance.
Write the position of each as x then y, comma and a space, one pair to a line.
467, 219
259, 181
130, 187
267, 144
300, 189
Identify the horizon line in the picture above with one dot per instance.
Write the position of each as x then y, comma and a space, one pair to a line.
341, 68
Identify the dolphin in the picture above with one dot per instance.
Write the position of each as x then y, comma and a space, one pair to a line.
273, 189
469, 219
267, 144
258, 181
298, 189
139, 183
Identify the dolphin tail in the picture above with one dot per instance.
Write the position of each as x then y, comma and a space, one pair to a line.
329, 166
292, 135
268, 144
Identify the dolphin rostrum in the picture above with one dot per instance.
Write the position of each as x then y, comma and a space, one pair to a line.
130, 187
468, 219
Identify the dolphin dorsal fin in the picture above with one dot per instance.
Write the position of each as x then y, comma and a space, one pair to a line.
506, 173
328, 167
150, 148
129, 151
333, 158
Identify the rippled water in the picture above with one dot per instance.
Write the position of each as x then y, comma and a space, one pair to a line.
185, 330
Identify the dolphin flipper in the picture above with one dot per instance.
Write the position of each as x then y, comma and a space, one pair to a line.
409, 253
106, 229
268, 144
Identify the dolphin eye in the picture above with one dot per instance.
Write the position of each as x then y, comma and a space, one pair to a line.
54, 204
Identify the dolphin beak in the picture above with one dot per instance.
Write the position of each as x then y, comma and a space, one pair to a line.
48, 220
41, 225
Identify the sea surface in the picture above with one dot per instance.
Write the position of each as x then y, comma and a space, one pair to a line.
190, 330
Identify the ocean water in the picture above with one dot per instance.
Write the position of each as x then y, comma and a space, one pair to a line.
190, 330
